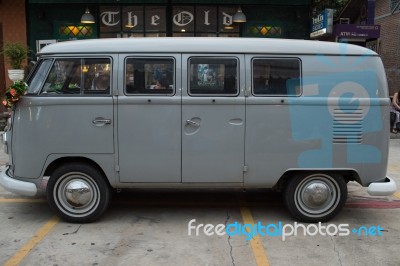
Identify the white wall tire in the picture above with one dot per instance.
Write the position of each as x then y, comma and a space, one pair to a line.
78, 193
315, 197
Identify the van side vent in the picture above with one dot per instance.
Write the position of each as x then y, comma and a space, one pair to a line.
348, 126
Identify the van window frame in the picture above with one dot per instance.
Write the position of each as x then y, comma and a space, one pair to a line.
211, 94
300, 93
150, 94
34, 72
58, 57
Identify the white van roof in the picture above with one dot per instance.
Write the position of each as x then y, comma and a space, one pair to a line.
218, 45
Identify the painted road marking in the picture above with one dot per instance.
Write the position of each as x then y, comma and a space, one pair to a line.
25, 249
393, 167
397, 195
371, 204
255, 243
19, 200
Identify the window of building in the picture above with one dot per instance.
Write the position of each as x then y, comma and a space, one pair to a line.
149, 76
68, 31
276, 77
394, 5
264, 31
213, 76
76, 76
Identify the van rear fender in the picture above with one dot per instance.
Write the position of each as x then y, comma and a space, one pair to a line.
347, 174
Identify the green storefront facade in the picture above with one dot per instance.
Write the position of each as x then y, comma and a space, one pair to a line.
60, 20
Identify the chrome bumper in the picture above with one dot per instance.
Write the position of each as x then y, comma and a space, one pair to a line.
383, 188
16, 186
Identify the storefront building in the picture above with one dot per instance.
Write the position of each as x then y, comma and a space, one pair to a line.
388, 17
374, 24
61, 20
354, 24
12, 29
48, 21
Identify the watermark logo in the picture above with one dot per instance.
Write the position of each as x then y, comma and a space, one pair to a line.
340, 103
280, 230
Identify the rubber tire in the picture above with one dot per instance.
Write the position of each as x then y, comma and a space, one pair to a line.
301, 214
96, 177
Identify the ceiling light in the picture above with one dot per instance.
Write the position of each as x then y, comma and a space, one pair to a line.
87, 18
239, 17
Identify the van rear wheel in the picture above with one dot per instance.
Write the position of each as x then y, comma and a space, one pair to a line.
315, 197
78, 193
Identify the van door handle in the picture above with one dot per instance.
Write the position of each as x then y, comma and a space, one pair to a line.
100, 121
192, 123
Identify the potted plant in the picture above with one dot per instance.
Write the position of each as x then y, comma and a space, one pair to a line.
15, 54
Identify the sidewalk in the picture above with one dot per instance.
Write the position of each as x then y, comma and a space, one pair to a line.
395, 136
3, 156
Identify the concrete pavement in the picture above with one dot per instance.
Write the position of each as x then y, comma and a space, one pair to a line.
3, 156
151, 227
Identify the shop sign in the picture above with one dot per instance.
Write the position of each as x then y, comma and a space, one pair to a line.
357, 31
112, 18
322, 23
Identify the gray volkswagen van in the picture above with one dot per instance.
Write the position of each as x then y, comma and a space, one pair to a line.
302, 117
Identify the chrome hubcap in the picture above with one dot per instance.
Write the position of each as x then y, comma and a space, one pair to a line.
78, 193
316, 194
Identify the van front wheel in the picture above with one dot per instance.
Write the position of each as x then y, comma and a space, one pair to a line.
315, 197
78, 193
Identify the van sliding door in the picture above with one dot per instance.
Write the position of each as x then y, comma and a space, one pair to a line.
149, 119
213, 119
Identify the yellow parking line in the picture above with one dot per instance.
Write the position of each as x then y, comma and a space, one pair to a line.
19, 200
397, 195
255, 243
25, 249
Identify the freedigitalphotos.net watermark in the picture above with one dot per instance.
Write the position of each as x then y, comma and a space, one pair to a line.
280, 230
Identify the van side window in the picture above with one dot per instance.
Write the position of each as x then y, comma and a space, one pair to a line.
149, 76
71, 76
215, 76
276, 76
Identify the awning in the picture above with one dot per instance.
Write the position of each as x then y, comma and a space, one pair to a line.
223, 2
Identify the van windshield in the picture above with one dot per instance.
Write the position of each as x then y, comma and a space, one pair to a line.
36, 80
